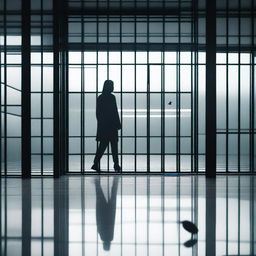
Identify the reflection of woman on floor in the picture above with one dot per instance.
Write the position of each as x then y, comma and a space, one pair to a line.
106, 213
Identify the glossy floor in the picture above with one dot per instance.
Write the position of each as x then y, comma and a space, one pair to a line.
128, 215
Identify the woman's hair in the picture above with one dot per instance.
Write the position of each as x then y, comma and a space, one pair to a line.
108, 86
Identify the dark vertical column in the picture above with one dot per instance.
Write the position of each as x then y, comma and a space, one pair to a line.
25, 96
26, 217
210, 233
63, 90
56, 83
211, 88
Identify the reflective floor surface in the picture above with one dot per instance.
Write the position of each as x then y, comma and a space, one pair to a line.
128, 215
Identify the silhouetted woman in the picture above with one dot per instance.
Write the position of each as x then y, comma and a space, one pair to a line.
108, 125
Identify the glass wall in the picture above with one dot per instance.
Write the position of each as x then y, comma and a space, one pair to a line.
155, 98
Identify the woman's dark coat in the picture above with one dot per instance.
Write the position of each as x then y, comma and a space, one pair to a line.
107, 117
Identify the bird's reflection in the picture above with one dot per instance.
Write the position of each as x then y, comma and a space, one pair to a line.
106, 212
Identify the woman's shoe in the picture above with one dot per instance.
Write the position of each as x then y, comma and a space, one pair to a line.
96, 167
117, 167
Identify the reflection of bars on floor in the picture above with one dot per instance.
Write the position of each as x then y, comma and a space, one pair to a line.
149, 211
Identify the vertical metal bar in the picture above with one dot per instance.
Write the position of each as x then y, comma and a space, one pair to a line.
41, 94
135, 95
239, 88
163, 98
108, 73
121, 91
56, 83
195, 146
5, 88
178, 92
148, 95
82, 93
25, 96
64, 91
211, 88
252, 90
227, 87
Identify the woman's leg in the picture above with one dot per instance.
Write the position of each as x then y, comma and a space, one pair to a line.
114, 151
100, 151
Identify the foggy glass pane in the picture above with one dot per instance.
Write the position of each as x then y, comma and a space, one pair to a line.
221, 96
141, 78
35, 164
128, 57
13, 58
47, 127
141, 127
170, 164
74, 114
75, 58
155, 114
48, 79
102, 70
245, 96
48, 169
141, 145
35, 127
128, 165
35, 78
232, 151
170, 115
74, 78
114, 57
185, 163
35, 145
245, 152
170, 78
128, 145
102, 57
233, 96
185, 78
128, 115
89, 58
48, 145
155, 78
74, 145
14, 77
155, 163
155, 57
201, 99
90, 145
90, 115
155, 145
13, 125
48, 58
90, 78
141, 57
185, 115
14, 153
13, 96
48, 105
185, 146
35, 105
115, 76
128, 77
74, 163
